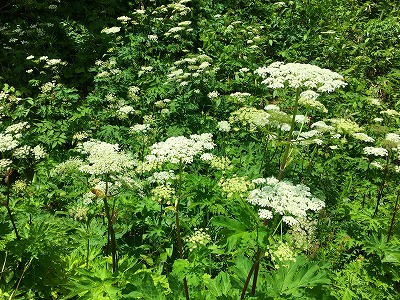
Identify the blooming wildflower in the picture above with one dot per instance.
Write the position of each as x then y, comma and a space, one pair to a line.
213, 94
180, 149
17, 128
221, 163
300, 119
29, 71
297, 75
379, 151
244, 70
184, 23
124, 19
111, 30
272, 107
48, 87
79, 136
363, 137
30, 57
378, 120
22, 152
124, 111
224, 126
249, 116
79, 213
374, 101
5, 164
7, 142
43, 58
322, 126
345, 125
377, 165
390, 112
52, 7
67, 167
104, 158
140, 128
204, 65
285, 198
197, 239
39, 152
207, 157
152, 37
19, 186
161, 177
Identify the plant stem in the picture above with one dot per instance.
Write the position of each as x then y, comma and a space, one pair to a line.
289, 138
7, 203
178, 228
111, 231
381, 187
393, 216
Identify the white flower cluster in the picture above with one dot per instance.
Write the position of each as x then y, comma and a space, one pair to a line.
17, 128
308, 99
67, 167
363, 137
180, 149
161, 177
5, 164
140, 128
7, 142
224, 126
295, 75
213, 94
235, 186
104, 158
282, 197
39, 152
376, 151
111, 30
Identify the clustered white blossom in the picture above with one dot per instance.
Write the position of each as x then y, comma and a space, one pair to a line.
224, 126
161, 177
140, 128
376, 151
284, 198
295, 75
180, 149
363, 137
7, 142
111, 30
17, 128
5, 164
104, 158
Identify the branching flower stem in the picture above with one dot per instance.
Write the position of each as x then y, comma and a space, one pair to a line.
289, 139
393, 216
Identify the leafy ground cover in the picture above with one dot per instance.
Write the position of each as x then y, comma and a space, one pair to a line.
199, 150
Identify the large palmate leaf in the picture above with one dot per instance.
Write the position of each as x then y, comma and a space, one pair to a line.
293, 278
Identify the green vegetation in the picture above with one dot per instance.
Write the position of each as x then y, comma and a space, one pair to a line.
199, 150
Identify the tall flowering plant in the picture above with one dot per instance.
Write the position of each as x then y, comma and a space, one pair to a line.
277, 197
298, 78
105, 160
180, 151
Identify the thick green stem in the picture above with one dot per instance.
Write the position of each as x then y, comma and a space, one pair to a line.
393, 216
178, 228
110, 230
7, 204
290, 136
382, 186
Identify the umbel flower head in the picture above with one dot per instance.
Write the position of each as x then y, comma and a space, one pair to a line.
180, 149
295, 75
284, 198
104, 158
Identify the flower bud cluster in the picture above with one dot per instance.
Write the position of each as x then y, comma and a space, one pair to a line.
198, 239
235, 186
281, 254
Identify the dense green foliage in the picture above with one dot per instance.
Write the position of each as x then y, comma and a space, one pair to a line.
143, 156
